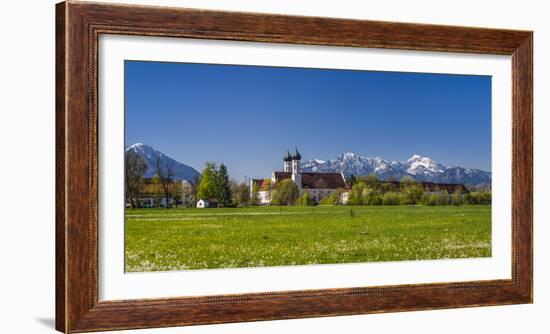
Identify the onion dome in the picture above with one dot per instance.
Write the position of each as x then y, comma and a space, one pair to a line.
288, 157
296, 155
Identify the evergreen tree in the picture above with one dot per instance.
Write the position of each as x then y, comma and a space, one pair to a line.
224, 186
351, 180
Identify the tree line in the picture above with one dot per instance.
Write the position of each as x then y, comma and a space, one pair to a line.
368, 190
214, 183
165, 191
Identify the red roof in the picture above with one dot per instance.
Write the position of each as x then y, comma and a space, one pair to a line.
316, 180
282, 176
263, 184
322, 181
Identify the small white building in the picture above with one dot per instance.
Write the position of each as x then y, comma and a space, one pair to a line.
344, 196
263, 187
207, 203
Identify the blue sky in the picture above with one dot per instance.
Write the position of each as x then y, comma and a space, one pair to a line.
247, 116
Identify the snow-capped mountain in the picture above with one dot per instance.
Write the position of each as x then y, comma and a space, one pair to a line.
181, 171
417, 167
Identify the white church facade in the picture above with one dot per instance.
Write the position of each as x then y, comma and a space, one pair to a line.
319, 185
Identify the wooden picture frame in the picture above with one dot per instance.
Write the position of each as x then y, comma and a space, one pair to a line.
78, 26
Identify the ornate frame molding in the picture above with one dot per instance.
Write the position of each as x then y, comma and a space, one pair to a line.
78, 27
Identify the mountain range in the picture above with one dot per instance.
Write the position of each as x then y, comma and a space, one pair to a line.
417, 167
149, 154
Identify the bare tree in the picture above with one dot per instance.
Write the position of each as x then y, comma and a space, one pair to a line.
195, 187
165, 173
135, 167
187, 194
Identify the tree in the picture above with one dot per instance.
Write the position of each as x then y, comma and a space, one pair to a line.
305, 199
268, 186
234, 185
483, 197
375, 199
440, 197
135, 167
393, 179
195, 187
240, 193
255, 196
177, 193
457, 198
356, 194
165, 173
224, 187
285, 193
443, 198
332, 199
371, 197
437, 198
411, 194
385, 187
187, 194
371, 180
390, 198
350, 181
156, 190
405, 180
207, 188
486, 197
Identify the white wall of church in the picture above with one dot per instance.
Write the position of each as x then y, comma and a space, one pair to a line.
297, 178
264, 197
287, 166
318, 194
295, 166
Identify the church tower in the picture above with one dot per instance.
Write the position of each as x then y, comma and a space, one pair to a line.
287, 163
296, 176
296, 157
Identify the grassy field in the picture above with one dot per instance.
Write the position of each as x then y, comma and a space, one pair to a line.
176, 239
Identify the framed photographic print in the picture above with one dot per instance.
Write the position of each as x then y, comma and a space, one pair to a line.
222, 167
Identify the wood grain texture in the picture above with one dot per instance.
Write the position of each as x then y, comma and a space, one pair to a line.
60, 181
78, 27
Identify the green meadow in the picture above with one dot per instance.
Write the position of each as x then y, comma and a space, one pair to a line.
184, 239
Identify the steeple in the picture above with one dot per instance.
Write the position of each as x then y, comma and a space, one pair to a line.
296, 162
287, 157
297, 155
296, 173
287, 162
